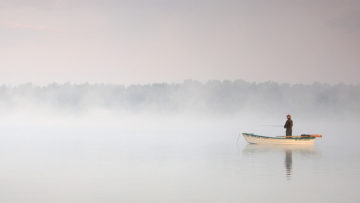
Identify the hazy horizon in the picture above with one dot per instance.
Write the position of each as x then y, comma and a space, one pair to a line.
40, 84
213, 98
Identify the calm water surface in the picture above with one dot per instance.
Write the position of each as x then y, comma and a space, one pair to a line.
202, 163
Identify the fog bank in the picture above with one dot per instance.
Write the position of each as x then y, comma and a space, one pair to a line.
213, 98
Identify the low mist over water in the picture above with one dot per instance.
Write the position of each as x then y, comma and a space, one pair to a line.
177, 143
190, 97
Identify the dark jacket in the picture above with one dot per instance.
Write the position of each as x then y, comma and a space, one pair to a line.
289, 124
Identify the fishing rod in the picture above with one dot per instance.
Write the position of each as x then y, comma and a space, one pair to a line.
274, 125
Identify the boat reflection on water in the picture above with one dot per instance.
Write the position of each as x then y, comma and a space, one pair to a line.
289, 150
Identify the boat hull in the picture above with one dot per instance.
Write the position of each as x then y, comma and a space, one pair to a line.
258, 139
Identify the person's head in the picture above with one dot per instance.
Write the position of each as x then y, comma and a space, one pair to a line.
288, 116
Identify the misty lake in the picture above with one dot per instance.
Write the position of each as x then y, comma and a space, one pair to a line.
176, 160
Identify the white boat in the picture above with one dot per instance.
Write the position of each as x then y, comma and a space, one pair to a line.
291, 140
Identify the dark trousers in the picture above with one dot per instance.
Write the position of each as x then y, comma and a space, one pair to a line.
288, 132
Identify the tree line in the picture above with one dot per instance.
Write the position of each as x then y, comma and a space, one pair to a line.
215, 97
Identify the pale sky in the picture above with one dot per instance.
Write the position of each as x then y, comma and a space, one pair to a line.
143, 41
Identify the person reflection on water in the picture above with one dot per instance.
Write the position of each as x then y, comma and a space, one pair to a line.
288, 125
288, 163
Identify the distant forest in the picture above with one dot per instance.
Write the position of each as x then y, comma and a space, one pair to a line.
214, 97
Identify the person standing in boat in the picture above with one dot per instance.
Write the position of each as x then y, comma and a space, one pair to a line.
288, 125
